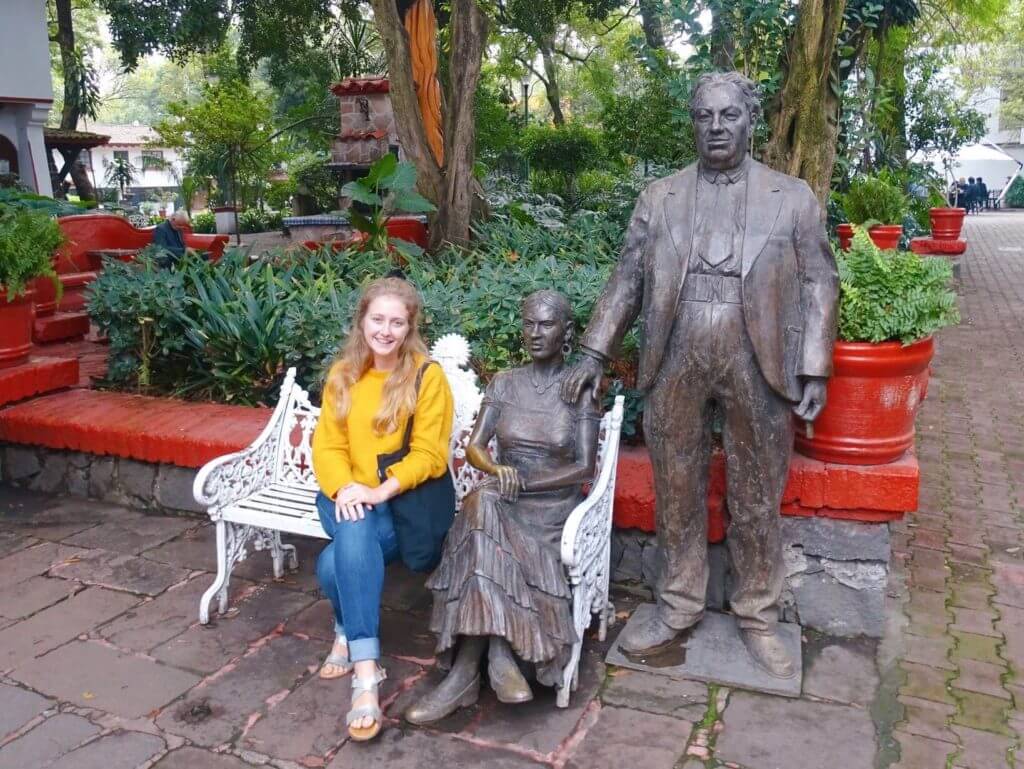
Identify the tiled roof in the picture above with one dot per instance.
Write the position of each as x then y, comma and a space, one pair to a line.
67, 138
125, 135
361, 85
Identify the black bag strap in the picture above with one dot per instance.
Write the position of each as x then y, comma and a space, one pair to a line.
407, 438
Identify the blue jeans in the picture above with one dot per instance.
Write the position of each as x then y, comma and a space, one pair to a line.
351, 573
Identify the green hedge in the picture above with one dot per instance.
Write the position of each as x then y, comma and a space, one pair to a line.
228, 331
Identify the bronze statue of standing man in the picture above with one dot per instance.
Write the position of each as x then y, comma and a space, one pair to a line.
728, 266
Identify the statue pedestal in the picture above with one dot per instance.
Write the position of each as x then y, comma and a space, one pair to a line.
714, 652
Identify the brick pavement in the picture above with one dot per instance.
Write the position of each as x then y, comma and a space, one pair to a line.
102, 662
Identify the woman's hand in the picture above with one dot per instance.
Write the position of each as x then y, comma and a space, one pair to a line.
352, 501
509, 482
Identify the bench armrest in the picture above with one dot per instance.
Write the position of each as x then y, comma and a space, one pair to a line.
232, 477
587, 531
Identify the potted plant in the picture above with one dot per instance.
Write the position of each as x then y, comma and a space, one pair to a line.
877, 204
890, 304
946, 222
28, 240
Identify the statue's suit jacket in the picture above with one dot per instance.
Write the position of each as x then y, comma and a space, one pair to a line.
790, 285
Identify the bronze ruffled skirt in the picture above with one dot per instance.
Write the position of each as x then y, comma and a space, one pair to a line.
501, 575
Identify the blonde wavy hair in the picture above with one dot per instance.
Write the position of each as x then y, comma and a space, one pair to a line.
356, 358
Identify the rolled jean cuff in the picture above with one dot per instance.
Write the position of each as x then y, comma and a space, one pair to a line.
364, 649
339, 630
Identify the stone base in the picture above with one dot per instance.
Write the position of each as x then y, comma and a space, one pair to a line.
140, 485
836, 572
714, 652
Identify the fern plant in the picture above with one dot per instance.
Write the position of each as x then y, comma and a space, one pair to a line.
873, 200
892, 295
27, 242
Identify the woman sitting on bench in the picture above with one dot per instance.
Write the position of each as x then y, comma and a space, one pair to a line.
381, 443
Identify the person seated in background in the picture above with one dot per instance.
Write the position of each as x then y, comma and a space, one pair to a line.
169, 237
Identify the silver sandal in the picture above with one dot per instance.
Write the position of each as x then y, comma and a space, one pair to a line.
338, 660
361, 686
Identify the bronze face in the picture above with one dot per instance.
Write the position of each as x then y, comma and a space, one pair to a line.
543, 332
722, 124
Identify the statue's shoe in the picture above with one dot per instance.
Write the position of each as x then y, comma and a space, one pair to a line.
650, 636
448, 697
768, 651
508, 682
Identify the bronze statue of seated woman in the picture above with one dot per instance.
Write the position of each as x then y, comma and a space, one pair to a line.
500, 588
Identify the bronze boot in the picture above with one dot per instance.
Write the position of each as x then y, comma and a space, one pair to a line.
450, 695
507, 680
768, 651
648, 637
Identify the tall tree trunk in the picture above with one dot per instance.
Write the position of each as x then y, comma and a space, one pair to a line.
650, 20
463, 195
452, 188
805, 127
551, 87
71, 111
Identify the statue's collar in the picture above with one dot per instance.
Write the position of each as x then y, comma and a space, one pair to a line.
727, 176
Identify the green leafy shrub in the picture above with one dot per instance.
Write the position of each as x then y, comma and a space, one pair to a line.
252, 220
1015, 195
204, 223
14, 197
892, 295
28, 240
874, 200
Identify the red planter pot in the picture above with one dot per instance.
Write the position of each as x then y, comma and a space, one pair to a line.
408, 228
845, 233
885, 236
946, 222
16, 318
45, 297
873, 398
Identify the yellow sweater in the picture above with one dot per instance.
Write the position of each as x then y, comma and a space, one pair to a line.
346, 450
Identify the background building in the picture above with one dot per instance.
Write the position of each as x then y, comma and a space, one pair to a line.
25, 92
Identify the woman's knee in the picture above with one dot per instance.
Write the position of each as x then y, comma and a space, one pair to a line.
354, 538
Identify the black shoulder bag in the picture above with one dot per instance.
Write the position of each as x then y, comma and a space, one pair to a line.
422, 514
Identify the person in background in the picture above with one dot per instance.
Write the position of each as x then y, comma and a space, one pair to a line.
169, 237
982, 193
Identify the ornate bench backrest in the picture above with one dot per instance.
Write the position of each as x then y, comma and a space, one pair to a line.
297, 418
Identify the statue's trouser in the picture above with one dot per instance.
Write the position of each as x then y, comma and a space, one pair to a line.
709, 358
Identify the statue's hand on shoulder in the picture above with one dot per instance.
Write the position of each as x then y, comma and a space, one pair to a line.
586, 373
813, 400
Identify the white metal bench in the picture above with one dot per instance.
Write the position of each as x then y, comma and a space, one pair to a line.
268, 488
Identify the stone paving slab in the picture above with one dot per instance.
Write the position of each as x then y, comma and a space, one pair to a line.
54, 518
653, 693
217, 711
623, 737
120, 572
765, 732
715, 653
18, 707
60, 623
34, 594
131, 533
118, 750
206, 649
93, 675
171, 613
841, 670
195, 758
403, 748
47, 742
309, 723
36, 561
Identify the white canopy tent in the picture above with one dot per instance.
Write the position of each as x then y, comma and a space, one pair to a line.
987, 161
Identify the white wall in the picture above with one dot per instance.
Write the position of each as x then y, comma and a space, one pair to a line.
24, 51
103, 155
22, 124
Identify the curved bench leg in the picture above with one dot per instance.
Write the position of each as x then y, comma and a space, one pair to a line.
220, 582
279, 552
